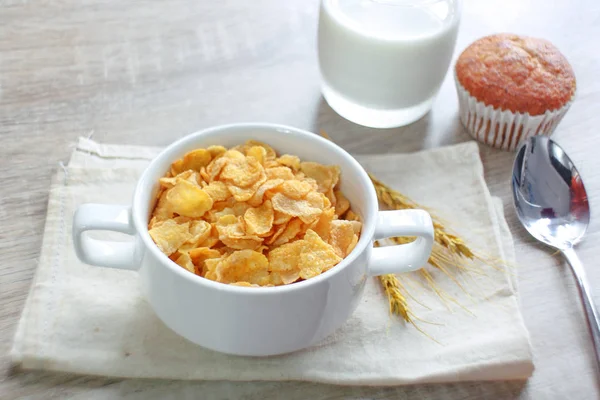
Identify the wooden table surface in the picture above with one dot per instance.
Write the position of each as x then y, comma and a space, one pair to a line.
148, 72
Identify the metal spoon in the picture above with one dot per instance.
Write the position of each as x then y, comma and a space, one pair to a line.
552, 205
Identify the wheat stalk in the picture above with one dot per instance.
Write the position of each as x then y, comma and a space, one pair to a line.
449, 251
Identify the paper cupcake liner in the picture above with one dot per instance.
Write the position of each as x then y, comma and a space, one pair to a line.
504, 130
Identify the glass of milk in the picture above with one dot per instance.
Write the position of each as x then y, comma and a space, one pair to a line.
382, 62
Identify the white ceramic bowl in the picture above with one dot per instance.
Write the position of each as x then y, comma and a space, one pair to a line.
243, 320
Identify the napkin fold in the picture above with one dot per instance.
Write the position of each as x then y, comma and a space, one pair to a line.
91, 320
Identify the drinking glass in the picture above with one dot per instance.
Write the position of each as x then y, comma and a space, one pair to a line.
382, 62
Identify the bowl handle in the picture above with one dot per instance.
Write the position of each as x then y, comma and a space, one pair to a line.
102, 253
402, 257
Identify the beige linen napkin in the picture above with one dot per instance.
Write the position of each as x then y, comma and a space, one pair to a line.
90, 320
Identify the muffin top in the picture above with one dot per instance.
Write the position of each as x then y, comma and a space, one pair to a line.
516, 73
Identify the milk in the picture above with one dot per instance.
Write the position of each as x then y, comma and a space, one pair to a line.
382, 62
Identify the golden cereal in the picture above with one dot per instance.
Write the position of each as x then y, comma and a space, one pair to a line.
246, 217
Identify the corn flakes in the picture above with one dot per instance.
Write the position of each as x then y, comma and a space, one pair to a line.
185, 261
245, 217
188, 199
259, 220
169, 235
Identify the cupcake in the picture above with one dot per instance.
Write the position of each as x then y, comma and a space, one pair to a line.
511, 87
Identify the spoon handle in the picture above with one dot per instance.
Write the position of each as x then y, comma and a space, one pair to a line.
593, 318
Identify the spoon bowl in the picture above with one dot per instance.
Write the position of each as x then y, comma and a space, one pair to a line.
549, 195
